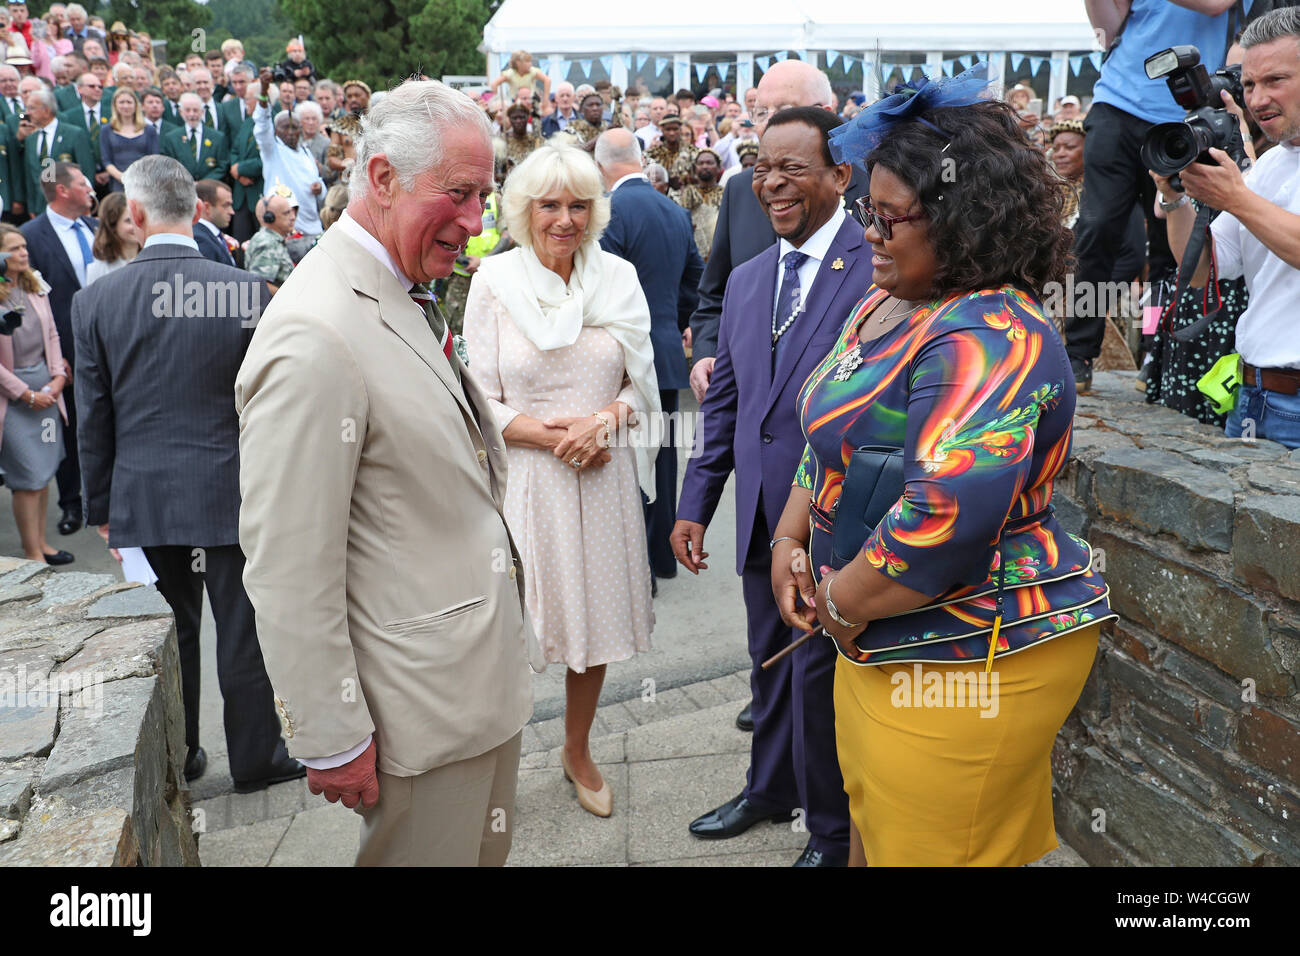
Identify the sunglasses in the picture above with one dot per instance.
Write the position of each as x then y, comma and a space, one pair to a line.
869, 217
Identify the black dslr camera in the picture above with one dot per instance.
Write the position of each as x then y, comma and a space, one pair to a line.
1169, 148
12, 318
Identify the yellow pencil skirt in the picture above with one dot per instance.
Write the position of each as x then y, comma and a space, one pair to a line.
943, 770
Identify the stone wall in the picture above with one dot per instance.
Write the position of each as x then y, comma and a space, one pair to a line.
1185, 746
92, 731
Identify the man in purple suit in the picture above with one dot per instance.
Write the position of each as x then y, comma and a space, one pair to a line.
781, 314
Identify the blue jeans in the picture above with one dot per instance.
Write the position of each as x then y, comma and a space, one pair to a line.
1276, 416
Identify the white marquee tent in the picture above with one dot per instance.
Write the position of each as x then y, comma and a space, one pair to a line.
685, 37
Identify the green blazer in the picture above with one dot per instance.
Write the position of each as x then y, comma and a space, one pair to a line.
246, 153
77, 117
67, 97
70, 145
213, 161
12, 188
232, 120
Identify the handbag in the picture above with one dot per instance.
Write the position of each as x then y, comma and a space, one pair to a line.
873, 482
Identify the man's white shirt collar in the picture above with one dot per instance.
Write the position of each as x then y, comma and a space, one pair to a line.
373, 246
819, 243
623, 179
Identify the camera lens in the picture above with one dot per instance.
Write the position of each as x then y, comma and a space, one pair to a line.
1171, 147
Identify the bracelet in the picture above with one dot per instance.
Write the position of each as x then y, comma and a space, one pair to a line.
785, 537
834, 611
1176, 204
609, 438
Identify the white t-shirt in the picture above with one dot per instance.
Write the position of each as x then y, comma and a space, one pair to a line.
1267, 334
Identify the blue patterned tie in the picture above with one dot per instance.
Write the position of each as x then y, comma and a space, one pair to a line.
787, 300
87, 257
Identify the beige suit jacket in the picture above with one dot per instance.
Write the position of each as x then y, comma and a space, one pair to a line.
388, 591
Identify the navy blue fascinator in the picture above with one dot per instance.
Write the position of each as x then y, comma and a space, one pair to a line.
852, 142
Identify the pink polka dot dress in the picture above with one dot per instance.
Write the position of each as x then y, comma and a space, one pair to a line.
581, 534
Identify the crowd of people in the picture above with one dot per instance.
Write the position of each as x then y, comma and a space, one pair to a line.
413, 292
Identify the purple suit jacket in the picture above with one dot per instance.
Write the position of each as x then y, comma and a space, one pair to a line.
749, 422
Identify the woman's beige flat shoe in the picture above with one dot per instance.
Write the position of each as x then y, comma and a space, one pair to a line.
599, 802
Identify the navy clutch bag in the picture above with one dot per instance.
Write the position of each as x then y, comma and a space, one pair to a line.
872, 483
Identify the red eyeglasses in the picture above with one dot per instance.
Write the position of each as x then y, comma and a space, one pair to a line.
868, 216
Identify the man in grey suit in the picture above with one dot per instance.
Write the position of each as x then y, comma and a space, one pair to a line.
158, 345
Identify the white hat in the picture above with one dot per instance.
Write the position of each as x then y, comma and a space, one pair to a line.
1070, 100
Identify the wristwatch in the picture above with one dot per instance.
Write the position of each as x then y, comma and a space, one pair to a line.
1177, 203
833, 610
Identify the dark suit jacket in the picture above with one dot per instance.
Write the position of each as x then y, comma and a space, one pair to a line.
71, 145
213, 161
655, 234
211, 247
155, 387
50, 259
742, 232
749, 421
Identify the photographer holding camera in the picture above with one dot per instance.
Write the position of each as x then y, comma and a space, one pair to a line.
32, 377
1126, 103
1258, 233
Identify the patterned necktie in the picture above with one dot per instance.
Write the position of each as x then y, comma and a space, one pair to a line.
42, 152
423, 297
194, 141
212, 120
90, 118
789, 303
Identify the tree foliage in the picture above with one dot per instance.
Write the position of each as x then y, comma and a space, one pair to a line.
391, 39
260, 25
172, 20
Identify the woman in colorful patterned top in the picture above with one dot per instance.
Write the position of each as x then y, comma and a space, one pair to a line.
944, 727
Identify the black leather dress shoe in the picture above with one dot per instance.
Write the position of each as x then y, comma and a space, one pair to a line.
195, 763
70, 523
745, 719
59, 557
732, 819
811, 857
284, 768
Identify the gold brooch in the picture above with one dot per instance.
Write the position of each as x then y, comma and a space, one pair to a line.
837, 264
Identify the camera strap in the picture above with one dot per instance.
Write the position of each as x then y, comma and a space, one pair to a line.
1191, 258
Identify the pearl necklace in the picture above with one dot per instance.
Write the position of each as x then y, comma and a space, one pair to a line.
794, 314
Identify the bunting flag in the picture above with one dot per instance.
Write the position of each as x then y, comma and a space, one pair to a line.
640, 60
700, 70
607, 62
1016, 60
805, 56
1095, 58
1036, 63
585, 66
627, 60
781, 56
947, 67
832, 57
763, 62
503, 61
966, 61
660, 63
1076, 64
723, 70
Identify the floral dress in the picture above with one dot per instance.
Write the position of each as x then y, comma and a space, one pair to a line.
976, 390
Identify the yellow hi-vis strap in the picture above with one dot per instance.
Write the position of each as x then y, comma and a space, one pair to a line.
993, 643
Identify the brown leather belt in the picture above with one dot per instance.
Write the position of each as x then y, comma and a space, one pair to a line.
1283, 380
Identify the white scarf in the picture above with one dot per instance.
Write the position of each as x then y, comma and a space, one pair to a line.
603, 292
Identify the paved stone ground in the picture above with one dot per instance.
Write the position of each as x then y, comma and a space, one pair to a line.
667, 761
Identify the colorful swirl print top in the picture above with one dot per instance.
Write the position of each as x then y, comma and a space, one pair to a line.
976, 390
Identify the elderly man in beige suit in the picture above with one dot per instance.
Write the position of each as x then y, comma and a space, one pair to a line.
390, 606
